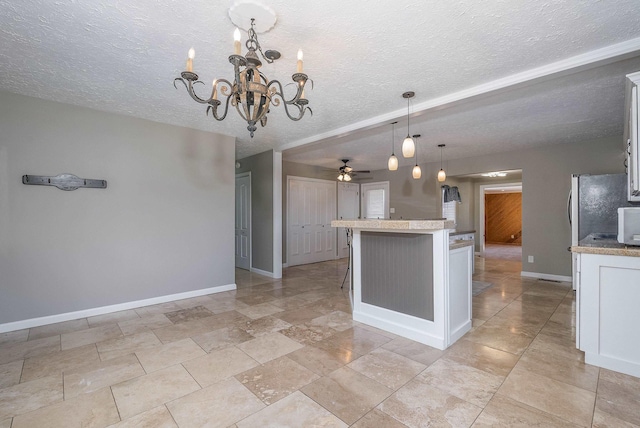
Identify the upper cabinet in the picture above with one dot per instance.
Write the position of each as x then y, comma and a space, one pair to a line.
631, 136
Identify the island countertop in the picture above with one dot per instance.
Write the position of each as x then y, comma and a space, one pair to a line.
435, 224
605, 245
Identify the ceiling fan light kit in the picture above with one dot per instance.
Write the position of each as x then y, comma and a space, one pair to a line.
408, 145
251, 93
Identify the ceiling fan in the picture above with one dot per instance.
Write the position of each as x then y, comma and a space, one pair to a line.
346, 173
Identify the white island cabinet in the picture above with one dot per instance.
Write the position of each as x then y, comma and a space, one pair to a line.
608, 308
408, 279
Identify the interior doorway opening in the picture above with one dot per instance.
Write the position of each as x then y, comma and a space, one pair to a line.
501, 221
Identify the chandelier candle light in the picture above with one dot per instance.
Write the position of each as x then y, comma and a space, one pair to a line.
417, 172
408, 146
251, 92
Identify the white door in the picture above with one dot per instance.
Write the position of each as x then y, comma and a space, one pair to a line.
243, 221
375, 200
311, 207
348, 208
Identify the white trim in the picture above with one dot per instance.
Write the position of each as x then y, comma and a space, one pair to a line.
52, 319
277, 215
574, 64
545, 276
285, 265
264, 273
481, 220
617, 365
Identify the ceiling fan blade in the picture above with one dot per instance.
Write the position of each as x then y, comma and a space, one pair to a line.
364, 171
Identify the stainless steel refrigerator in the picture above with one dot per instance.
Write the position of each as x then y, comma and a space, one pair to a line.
593, 207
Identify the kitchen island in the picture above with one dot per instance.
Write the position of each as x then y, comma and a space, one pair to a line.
607, 302
408, 279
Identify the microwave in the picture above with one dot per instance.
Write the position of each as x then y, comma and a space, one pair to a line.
629, 225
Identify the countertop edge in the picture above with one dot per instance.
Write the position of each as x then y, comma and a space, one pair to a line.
627, 251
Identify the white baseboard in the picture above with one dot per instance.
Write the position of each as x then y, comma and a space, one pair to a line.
546, 276
52, 319
285, 265
263, 272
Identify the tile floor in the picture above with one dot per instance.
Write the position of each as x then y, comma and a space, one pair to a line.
286, 353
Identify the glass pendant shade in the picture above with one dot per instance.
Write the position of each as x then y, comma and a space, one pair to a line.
417, 172
340, 177
442, 175
408, 147
347, 177
393, 163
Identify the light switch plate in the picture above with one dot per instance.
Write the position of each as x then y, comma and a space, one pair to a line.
530, 259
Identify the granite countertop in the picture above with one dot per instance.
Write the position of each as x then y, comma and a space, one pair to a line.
605, 244
460, 244
435, 224
460, 232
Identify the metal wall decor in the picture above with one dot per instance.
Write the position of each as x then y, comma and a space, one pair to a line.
64, 181
251, 93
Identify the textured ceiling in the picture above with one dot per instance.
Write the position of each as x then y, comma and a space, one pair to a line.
122, 57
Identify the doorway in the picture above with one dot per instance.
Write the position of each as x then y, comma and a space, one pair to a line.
243, 221
348, 208
501, 221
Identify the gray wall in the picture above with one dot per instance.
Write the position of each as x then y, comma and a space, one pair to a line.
299, 170
546, 173
163, 226
261, 167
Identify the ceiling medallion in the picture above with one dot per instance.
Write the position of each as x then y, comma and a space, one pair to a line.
251, 92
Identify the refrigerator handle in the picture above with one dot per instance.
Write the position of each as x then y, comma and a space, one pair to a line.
569, 207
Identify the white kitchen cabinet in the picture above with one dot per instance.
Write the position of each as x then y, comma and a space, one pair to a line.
607, 302
632, 109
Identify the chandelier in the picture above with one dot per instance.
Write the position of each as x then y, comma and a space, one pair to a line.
251, 93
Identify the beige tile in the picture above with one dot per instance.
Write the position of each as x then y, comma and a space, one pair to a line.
387, 368
220, 404
193, 301
560, 399
269, 347
14, 336
112, 318
221, 306
19, 350
322, 361
501, 337
413, 350
377, 419
563, 369
144, 324
336, 320
308, 333
158, 417
146, 392
557, 346
605, 420
259, 311
347, 394
6, 423
619, 395
92, 377
294, 411
28, 396
356, 339
58, 328
198, 326
120, 346
96, 410
162, 356
299, 316
420, 405
161, 308
276, 379
504, 412
465, 382
89, 336
10, 373
256, 298
57, 362
482, 357
219, 365
262, 326
221, 338
189, 314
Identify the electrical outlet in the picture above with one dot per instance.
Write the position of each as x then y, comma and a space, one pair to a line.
530, 259
392, 210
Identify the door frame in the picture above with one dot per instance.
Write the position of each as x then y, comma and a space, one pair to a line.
317, 180
242, 175
387, 202
482, 189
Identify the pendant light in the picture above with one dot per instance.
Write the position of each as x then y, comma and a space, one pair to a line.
393, 160
408, 146
417, 172
442, 176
